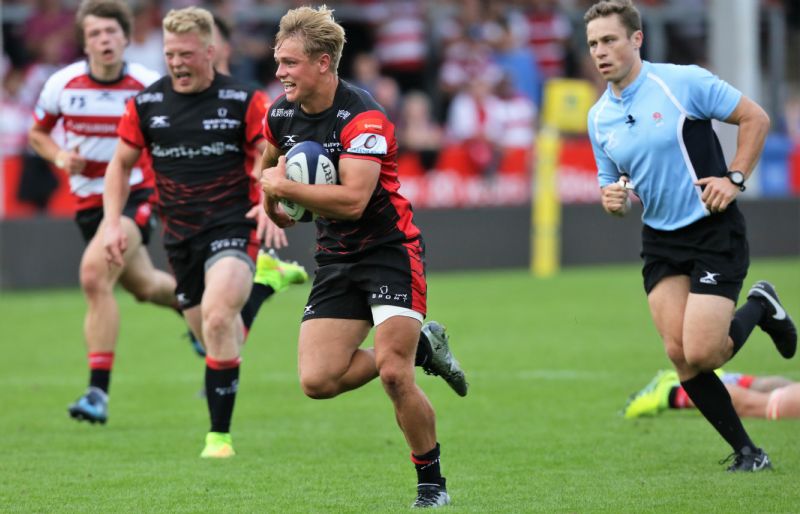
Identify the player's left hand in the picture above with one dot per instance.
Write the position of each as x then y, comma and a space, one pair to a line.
718, 192
274, 236
268, 234
277, 214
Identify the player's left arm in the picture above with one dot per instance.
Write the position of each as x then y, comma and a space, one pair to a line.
753, 124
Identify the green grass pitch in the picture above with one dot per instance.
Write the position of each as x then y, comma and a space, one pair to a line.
550, 364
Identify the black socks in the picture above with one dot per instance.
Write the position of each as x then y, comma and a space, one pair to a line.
428, 471
221, 387
712, 399
744, 321
423, 350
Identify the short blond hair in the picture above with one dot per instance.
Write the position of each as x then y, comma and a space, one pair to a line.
190, 19
317, 29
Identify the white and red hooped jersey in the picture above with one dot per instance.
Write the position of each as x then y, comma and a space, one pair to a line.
91, 110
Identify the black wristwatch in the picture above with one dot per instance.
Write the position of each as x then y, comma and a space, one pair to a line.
737, 177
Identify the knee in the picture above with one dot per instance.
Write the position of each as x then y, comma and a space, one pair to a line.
702, 357
317, 387
215, 323
396, 377
674, 350
94, 279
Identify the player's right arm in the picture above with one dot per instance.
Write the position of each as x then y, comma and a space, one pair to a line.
614, 198
269, 159
115, 195
613, 193
43, 144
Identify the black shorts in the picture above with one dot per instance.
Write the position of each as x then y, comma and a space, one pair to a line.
191, 258
138, 208
712, 251
392, 274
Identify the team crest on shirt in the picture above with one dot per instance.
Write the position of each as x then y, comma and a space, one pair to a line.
367, 143
658, 119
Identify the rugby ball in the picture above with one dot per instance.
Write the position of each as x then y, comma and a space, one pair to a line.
307, 163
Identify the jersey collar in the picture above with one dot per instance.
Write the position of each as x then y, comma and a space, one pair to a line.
123, 72
634, 86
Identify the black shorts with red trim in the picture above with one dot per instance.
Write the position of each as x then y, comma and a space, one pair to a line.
139, 208
391, 274
191, 258
712, 251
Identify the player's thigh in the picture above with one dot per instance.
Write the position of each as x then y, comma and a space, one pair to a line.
706, 324
667, 302
396, 341
139, 271
228, 281
94, 264
326, 345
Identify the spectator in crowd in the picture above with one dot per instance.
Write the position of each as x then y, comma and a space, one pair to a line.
518, 130
517, 61
387, 94
16, 118
51, 23
474, 128
549, 32
401, 41
146, 46
366, 72
419, 136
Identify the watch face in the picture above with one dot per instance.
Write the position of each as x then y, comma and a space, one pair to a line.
737, 177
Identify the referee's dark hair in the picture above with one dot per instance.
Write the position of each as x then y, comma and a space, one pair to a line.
628, 13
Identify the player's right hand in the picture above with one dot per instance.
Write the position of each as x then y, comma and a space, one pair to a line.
70, 161
615, 199
115, 242
277, 214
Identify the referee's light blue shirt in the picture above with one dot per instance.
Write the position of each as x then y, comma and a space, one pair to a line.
659, 133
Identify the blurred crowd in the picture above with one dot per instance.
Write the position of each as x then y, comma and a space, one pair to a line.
462, 79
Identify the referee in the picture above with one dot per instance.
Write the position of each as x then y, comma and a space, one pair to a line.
651, 132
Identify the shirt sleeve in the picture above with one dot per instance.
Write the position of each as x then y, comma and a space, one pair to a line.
607, 171
367, 136
129, 128
47, 111
255, 117
710, 97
